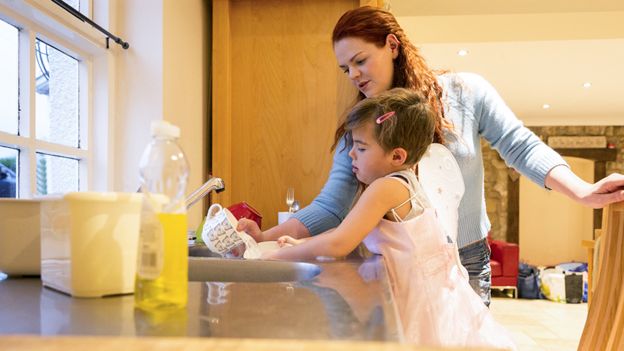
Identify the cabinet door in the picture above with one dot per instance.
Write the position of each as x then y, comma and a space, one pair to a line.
277, 96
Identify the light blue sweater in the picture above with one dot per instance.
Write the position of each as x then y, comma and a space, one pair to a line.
476, 110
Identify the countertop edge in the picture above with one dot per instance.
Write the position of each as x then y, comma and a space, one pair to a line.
79, 343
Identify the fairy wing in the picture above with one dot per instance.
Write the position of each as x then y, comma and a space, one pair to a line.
441, 179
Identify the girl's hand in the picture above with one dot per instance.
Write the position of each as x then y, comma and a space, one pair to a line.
287, 240
250, 227
268, 255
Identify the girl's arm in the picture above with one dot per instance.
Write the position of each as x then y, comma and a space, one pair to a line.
381, 196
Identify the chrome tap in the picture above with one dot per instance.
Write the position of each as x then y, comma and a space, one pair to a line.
215, 184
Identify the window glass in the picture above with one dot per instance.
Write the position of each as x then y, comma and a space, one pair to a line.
8, 80
56, 174
8, 171
57, 105
73, 3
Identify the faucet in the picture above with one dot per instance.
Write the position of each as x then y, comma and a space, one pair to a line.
215, 184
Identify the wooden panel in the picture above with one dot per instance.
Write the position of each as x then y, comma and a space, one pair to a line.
605, 318
277, 96
374, 3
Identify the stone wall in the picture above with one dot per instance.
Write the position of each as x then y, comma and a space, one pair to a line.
497, 174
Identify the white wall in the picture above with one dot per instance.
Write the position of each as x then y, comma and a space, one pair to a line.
552, 226
161, 76
185, 84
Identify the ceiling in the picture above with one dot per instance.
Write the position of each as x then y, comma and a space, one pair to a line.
534, 52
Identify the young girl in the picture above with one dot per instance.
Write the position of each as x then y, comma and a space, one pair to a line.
388, 134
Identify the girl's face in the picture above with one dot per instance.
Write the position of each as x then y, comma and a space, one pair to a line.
370, 68
370, 161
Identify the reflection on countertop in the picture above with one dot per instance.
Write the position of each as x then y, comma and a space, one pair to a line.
349, 300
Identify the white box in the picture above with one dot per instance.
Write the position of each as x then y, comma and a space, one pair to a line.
89, 242
283, 217
20, 249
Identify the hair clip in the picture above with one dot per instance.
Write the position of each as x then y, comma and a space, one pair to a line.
384, 117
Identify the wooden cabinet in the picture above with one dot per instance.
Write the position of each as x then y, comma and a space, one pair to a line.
277, 95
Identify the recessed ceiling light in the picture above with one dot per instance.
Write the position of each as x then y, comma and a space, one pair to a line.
546, 106
587, 85
462, 52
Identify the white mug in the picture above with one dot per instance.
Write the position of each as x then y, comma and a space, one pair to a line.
219, 231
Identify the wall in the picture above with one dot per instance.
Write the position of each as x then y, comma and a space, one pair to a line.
552, 226
185, 84
161, 76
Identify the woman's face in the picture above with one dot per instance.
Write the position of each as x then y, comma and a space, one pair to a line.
370, 68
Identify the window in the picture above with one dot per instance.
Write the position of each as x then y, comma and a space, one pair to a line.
46, 94
8, 107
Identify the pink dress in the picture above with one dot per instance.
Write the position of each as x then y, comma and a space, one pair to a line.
436, 304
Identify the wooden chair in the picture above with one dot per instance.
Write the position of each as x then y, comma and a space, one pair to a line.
590, 245
604, 327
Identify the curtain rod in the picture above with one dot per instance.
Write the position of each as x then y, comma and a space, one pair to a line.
83, 18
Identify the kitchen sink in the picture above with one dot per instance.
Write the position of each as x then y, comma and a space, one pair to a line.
205, 267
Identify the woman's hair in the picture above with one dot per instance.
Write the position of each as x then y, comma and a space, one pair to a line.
373, 25
408, 121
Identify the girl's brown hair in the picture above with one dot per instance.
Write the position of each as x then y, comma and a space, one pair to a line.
373, 25
411, 126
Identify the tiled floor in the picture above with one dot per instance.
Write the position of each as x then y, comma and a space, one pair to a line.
541, 324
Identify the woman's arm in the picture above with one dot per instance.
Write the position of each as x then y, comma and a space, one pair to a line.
517, 145
524, 151
607, 190
381, 196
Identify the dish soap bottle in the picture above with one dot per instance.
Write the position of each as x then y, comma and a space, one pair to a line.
162, 267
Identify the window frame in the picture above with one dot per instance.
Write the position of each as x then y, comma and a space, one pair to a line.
43, 20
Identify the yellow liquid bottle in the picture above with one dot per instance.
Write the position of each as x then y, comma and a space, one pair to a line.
162, 273
162, 263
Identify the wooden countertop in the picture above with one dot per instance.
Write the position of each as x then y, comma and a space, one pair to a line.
25, 343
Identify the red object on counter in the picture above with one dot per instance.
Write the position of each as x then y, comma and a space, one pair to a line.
244, 210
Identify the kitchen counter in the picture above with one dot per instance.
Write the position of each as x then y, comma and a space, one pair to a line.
348, 300
26, 343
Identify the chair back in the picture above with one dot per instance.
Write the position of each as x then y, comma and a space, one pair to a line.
604, 327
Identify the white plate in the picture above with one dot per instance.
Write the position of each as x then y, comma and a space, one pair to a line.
254, 250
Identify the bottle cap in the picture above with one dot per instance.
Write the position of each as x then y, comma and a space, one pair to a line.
164, 129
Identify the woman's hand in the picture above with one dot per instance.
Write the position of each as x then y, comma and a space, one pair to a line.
250, 227
605, 191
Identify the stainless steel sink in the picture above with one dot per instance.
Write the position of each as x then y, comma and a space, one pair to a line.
203, 267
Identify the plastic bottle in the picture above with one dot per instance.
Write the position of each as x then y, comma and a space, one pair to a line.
162, 268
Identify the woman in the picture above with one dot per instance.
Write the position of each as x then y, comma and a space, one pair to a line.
374, 52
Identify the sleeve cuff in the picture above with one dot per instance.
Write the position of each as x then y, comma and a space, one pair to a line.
549, 159
315, 219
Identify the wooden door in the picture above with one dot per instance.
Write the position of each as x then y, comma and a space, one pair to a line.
277, 97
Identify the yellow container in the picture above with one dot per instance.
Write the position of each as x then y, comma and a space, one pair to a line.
89, 242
